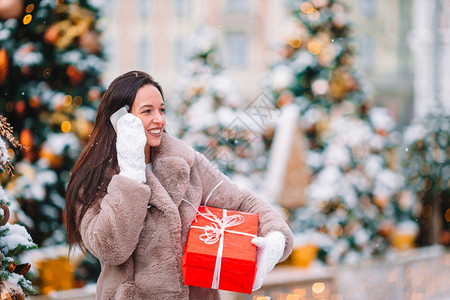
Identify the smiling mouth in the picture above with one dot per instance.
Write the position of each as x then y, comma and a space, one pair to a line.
155, 132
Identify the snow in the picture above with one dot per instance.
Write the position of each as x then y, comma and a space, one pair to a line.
302, 61
4, 34
380, 119
281, 77
4, 156
24, 56
414, 132
337, 155
387, 182
17, 236
58, 142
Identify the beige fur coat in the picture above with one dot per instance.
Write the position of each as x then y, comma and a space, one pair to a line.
138, 231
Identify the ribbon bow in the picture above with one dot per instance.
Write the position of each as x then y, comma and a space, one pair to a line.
218, 226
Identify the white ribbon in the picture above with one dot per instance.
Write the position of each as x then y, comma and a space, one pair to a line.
215, 232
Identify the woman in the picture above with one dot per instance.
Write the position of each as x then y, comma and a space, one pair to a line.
130, 197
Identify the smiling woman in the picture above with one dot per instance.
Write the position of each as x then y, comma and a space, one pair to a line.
149, 107
125, 199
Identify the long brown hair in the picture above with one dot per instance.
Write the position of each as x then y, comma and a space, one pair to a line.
98, 160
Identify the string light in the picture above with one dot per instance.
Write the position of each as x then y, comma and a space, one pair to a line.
67, 100
27, 19
307, 8
77, 100
314, 47
318, 287
30, 8
66, 126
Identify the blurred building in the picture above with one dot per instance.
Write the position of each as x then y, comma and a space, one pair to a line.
150, 35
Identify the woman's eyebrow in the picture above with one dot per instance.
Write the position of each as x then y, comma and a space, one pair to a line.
150, 105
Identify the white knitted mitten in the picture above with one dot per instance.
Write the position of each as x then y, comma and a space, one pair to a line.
268, 253
130, 145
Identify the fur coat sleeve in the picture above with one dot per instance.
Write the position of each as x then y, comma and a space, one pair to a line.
228, 195
110, 229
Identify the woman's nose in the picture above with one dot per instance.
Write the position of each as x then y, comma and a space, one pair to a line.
158, 119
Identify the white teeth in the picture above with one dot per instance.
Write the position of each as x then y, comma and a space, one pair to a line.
156, 131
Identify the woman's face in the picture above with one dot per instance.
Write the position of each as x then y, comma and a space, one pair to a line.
149, 107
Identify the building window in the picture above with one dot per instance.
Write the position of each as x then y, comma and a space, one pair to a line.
110, 47
179, 53
182, 8
368, 7
144, 54
144, 8
237, 6
237, 44
366, 52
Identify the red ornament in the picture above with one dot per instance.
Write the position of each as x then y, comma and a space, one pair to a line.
74, 74
4, 66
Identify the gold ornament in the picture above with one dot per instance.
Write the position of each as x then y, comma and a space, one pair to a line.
11, 9
4, 66
76, 22
83, 128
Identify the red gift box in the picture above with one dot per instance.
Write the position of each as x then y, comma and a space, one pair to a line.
218, 253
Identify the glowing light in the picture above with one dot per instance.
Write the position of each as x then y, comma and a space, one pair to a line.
47, 73
307, 8
30, 8
66, 126
292, 297
77, 101
295, 43
67, 100
314, 15
318, 287
27, 19
300, 292
314, 47
447, 215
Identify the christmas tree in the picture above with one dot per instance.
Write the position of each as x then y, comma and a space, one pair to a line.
427, 172
356, 205
50, 63
209, 114
14, 238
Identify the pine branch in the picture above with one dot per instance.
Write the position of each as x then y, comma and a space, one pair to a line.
6, 130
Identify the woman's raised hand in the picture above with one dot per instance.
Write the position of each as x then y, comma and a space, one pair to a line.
130, 145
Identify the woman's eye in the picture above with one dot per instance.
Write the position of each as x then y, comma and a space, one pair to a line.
146, 111
162, 110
